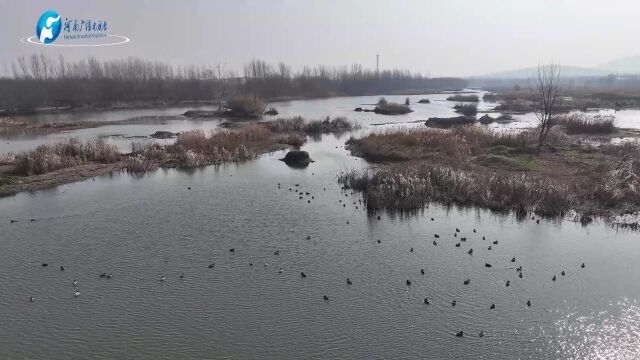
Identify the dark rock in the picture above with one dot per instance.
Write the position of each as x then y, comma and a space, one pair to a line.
297, 158
163, 134
358, 109
486, 119
202, 113
424, 101
449, 122
271, 111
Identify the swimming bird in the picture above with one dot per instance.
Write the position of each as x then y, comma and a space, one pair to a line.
76, 294
31, 298
470, 252
378, 217
188, 187
508, 283
163, 278
434, 242
455, 235
513, 259
349, 281
250, 263
308, 237
483, 238
61, 268
495, 242
431, 219
326, 298
489, 248
520, 275
460, 334
212, 265
562, 273
481, 334
453, 303
12, 221
266, 264
436, 236
582, 266
493, 306
528, 302
538, 221
277, 252
426, 301
463, 239
103, 275
487, 265
75, 282
422, 271
457, 244
280, 271
45, 264
181, 275
109, 276
474, 230
408, 282
519, 268
457, 230
302, 274
554, 278
411, 250
466, 282
232, 250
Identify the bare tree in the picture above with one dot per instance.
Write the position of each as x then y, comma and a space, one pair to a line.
543, 88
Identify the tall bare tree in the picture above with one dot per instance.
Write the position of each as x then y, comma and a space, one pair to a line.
543, 88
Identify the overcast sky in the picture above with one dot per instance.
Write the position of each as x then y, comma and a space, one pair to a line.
449, 37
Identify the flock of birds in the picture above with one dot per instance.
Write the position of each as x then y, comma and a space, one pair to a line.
302, 195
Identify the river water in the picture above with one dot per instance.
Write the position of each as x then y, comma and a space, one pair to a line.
145, 227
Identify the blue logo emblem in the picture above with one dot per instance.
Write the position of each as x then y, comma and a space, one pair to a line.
48, 27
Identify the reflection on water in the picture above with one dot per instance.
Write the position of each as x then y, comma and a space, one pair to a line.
609, 333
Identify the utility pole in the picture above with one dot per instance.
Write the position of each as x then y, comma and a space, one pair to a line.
378, 64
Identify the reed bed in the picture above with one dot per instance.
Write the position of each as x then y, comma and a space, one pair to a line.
409, 187
69, 153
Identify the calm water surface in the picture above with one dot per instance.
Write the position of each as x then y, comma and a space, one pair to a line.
141, 228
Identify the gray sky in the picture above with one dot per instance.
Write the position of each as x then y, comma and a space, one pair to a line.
452, 37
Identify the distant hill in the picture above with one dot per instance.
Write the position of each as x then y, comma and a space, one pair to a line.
567, 71
624, 65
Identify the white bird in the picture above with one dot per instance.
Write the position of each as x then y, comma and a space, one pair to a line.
266, 264
162, 278
75, 282
77, 293
280, 271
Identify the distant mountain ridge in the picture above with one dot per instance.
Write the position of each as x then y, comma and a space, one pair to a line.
628, 65
567, 71
623, 65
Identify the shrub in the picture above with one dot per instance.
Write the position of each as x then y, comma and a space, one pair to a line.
464, 98
248, 106
467, 109
578, 123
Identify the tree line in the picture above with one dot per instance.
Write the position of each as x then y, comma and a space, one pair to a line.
39, 80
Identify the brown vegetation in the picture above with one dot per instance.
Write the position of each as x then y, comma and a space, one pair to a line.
464, 98
73, 159
578, 123
500, 171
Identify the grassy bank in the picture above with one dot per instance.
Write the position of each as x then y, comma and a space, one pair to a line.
470, 165
73, 160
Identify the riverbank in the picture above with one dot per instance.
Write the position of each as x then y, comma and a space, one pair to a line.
502, 172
